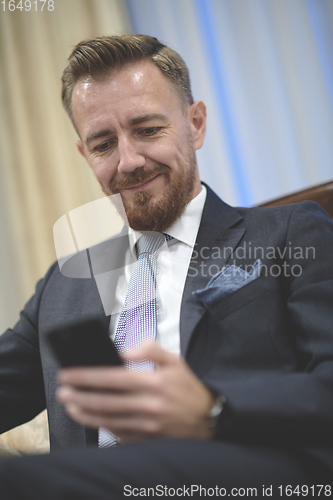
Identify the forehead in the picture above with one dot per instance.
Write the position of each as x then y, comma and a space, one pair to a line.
134, 89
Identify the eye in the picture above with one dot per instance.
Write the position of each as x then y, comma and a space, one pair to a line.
105, 146
149, 131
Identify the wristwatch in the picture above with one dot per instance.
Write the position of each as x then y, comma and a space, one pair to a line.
216, 411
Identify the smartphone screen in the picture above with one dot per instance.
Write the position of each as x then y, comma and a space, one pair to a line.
85, 343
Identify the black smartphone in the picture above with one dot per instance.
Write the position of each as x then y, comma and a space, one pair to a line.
85, 343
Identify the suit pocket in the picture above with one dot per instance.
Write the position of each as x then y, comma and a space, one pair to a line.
241, 298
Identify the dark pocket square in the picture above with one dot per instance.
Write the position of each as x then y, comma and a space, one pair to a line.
228, 280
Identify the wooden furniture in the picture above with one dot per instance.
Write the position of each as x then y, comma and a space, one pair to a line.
322, 194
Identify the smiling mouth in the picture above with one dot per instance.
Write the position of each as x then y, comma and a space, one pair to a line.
142, 185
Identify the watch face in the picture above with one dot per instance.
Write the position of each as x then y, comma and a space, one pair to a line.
216, 410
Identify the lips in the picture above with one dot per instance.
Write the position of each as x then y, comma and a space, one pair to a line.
138, 179
142, 184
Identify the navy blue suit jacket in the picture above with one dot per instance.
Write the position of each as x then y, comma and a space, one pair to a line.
268, 347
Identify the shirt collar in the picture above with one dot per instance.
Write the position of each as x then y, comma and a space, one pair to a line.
185, 228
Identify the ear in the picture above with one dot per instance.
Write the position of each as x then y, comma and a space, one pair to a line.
198, 117
80, 148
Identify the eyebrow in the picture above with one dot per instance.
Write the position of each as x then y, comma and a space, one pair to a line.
98, 135
145, 118
135, 121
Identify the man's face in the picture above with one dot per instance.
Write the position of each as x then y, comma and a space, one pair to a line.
140, 142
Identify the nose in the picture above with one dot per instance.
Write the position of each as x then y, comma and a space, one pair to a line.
130, 157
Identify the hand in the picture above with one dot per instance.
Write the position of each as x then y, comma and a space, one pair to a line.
169, 402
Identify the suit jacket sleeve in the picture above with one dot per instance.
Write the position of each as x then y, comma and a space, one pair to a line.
22, 392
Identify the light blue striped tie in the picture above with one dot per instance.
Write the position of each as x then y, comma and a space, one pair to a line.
137, 321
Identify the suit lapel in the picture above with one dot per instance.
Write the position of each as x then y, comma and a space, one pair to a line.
220, 231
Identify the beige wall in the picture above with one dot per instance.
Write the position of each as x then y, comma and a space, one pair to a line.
41, 174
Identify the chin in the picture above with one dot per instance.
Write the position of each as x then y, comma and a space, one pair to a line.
152, 213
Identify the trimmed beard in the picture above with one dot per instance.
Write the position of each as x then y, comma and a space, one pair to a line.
146, 214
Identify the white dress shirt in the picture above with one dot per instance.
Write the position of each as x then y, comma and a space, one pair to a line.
172, 266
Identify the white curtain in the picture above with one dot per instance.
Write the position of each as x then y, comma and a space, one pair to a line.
42, 175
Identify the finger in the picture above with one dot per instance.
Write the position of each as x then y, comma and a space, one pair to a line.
154, 352
123, 427
103, 378
111, 404
89, 376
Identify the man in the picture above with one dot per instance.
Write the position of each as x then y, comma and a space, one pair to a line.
249, 402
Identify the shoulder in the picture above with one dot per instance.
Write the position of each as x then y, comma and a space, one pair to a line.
305, 214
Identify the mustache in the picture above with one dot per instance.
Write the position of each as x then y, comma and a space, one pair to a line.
138, 176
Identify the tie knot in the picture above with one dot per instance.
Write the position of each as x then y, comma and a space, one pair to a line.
150, 243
